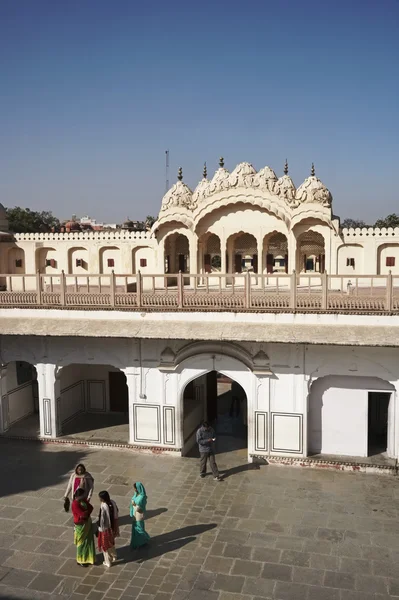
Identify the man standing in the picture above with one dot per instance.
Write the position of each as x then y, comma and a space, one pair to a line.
206, 440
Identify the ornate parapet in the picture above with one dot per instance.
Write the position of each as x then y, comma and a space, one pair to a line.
371, 232
84, 235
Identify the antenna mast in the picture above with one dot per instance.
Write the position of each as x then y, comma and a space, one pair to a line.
166, 170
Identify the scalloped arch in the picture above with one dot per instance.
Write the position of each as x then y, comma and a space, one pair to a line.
310, 214
222, 200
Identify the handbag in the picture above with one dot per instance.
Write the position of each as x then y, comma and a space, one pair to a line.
67, 504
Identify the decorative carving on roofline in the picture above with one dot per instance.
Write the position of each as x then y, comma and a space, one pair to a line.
181, 200
178, 195
314, 191
285, 188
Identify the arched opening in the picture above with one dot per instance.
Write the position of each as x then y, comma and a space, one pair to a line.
177, 253
275, 247
16, 261
210, 253
20, 400
242, 253
141, 260
311, 253
351, 416
388, 259
78, 261
46, 260
350, 259
93, 403
110, 260
223, 403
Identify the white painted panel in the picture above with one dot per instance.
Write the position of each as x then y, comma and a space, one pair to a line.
287, 433
169, 424
344, 422
261, 431
71, 401
96, 396
20, 403
146, 423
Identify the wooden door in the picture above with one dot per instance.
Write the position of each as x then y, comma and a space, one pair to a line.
255, 263
237, 263
118, 392
182, 263
207, 263
269, 263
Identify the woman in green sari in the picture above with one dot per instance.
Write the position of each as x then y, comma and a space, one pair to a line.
138, 507
83, 536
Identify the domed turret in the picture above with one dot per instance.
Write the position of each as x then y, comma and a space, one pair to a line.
220, 180
314, 191
265, 179
243, 175
285, 187
198, 193
178, 195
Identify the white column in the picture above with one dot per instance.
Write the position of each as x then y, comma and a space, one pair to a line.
131, 379
47, 400
223, 250
292, 251
193, 248
260, 253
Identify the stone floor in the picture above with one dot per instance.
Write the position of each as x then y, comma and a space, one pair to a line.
264, 532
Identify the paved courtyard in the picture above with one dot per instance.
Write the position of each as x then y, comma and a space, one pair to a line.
265, 532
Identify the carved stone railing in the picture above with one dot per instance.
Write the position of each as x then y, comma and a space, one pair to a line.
205, 292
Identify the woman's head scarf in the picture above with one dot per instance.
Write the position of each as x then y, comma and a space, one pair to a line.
140, 496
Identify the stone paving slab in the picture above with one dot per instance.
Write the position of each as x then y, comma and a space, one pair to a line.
264, 532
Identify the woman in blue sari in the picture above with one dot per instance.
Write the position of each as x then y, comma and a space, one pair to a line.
138, 507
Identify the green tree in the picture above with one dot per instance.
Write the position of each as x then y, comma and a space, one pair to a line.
149, 221
347, 223
389, 221
24, 220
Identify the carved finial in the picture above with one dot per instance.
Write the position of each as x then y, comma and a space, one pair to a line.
204, 172
180, 174
221, 162
286, 167
312, 171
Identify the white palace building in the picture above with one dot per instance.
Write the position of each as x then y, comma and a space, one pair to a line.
246, 282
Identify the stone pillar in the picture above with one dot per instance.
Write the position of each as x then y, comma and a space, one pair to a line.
47, 383
131, 379
292, 252
193, 249
327, 252
260, 254
223, 251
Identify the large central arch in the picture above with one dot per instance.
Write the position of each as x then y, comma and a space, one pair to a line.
198, 365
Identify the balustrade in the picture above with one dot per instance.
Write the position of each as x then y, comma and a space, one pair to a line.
300, 292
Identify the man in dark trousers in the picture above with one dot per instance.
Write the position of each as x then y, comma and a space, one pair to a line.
206, 442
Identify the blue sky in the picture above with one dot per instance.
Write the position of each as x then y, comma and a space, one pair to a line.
93, 92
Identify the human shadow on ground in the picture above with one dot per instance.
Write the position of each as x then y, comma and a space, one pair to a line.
28, 466
225, 474
150, 514
164, 543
